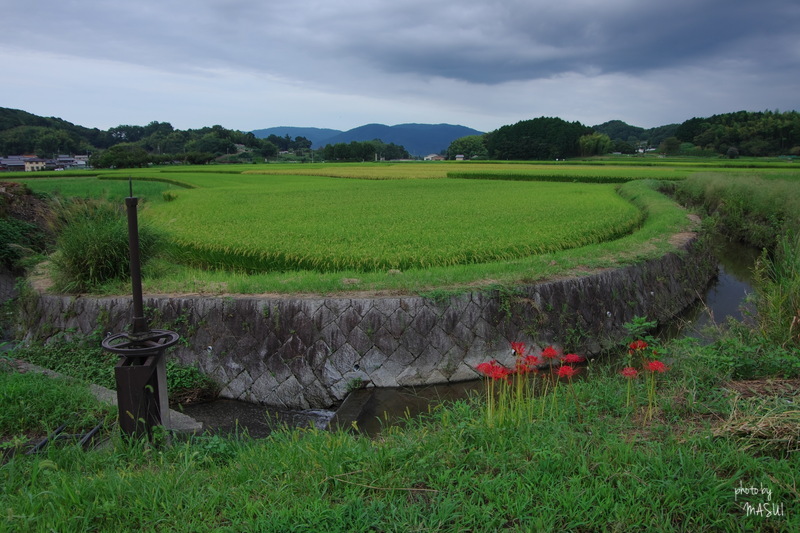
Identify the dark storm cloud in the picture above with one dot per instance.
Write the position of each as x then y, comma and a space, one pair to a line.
520, 41
342, 63
477, 42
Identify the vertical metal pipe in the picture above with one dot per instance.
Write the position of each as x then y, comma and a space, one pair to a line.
139, 321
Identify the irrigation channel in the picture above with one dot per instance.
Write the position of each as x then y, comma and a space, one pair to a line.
373, 409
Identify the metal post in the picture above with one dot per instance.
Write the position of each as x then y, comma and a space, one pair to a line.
139, 321
141, 374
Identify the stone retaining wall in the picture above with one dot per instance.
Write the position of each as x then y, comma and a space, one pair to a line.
307, 352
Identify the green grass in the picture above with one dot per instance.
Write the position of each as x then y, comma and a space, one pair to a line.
295, 228
83, 358
751, 208
36, 404
92, 187
322, 224
447, 471
610, 469
317, 234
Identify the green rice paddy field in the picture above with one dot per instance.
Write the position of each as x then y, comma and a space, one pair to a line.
401, 226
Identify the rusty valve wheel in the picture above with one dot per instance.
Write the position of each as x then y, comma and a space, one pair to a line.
140, 345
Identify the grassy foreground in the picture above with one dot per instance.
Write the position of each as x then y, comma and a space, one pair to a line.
694, 452
709, 459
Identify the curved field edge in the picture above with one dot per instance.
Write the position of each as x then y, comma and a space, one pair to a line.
317, 223
655, 237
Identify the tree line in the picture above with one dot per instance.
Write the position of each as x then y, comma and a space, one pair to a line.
544, 138
374, 150
767, 133
746, 133
128, 146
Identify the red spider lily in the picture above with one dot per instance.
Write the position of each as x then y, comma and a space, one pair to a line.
637, 346
527, 364
566, 372
656, 366
518, 348
532, 361
549, 353
493, 370
571, 358
629, 372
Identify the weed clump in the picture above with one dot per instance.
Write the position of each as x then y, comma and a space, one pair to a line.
92, 247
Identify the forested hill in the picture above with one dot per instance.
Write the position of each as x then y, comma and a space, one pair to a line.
317, 136
747, 133
25, 133
618, 130
418, 139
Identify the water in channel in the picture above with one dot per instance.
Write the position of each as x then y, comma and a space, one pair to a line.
726, 296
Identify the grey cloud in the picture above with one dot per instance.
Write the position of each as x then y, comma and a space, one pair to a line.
531, 43
471, 41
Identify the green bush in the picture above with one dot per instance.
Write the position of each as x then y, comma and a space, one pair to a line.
92, 247
743, 353
17, 237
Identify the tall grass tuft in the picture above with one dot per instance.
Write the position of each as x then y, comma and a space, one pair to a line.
778, 285
92, 246
749, 208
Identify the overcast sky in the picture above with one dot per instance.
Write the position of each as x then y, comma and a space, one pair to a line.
250, 64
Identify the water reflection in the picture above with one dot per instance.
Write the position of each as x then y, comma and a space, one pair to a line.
727, 296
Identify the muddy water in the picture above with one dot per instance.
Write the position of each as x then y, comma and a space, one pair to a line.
377, 408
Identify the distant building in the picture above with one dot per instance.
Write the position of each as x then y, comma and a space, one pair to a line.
31, 163
434, 157
20, 163
460, 157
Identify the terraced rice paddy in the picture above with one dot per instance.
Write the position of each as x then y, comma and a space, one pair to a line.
324, 224
321, 228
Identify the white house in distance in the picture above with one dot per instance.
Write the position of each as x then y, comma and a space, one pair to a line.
434, 157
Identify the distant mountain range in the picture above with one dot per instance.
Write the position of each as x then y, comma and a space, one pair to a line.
418, 139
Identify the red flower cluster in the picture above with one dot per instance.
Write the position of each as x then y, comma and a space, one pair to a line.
572, 358
566, 372
549, 353
656, 366
636, 346
527, 364
629, 372
518, 348
494, 370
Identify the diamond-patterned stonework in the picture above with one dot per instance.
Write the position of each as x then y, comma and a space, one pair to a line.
305, 353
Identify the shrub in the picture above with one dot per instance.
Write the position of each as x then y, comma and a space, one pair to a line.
17, 237
92, 247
